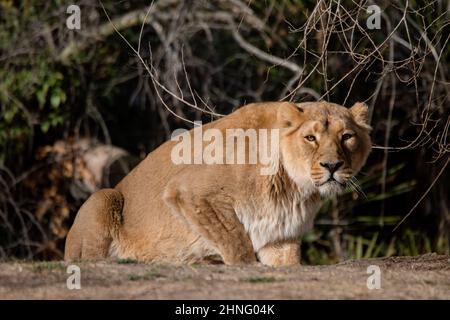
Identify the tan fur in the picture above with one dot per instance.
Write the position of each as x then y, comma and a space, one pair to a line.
190, 213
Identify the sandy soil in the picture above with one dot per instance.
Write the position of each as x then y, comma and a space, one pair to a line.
422, 277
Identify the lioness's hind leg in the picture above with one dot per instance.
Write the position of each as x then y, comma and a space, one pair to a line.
94, 226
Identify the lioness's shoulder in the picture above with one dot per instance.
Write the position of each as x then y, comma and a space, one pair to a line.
262, 114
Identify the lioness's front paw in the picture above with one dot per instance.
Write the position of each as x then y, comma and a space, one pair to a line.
280, 254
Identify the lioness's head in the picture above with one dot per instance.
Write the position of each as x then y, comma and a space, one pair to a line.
323, 145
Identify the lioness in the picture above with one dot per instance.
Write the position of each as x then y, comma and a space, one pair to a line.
184, 213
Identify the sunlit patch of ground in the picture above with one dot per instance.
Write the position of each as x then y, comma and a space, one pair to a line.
422, 277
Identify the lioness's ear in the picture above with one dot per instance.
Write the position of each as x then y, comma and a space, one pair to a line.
360, 112
289, 114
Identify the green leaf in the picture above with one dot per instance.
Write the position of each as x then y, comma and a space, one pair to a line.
45, 126
55, 100
41, 96
9, 114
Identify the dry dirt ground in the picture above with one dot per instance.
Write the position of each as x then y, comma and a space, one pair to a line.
422, 277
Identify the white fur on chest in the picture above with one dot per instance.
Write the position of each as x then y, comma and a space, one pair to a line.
276, 221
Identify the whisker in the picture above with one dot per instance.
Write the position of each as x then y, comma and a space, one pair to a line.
351, 187
357, 185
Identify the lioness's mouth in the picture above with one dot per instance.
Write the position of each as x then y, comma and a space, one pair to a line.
332, 180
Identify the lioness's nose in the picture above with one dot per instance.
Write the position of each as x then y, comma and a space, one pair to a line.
332, 167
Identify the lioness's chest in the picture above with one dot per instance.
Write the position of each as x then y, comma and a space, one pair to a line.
274, 221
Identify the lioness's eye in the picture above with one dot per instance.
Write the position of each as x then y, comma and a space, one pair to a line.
310, 138
346, 136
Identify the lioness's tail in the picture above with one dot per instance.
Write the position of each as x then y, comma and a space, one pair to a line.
95, 225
